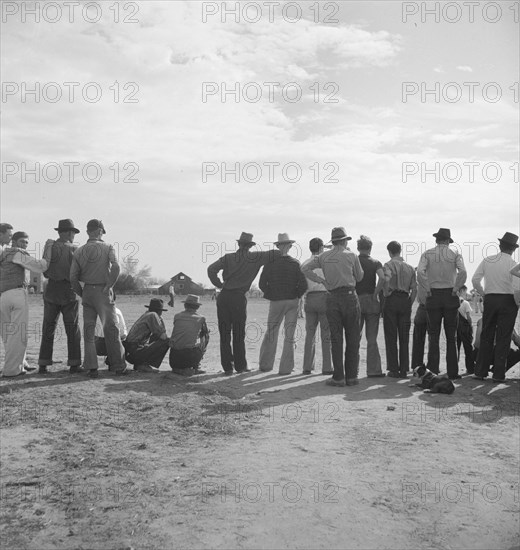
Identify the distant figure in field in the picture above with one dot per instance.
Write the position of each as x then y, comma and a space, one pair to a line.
465, 330
171, 293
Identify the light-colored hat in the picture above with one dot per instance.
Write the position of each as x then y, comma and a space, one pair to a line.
192, 299
283, 238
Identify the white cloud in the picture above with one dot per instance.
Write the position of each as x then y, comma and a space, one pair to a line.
464, 68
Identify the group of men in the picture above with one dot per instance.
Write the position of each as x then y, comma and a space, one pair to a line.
90, 273
345, 293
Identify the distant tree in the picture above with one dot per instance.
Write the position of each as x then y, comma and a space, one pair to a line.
132, 279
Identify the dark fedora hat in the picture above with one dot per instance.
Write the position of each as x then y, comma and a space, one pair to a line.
510, 239
246, 238
66, 225
443, 234
338, 234
156, 304
92, 225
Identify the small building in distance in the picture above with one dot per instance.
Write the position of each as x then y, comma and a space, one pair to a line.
35, 282
182, 285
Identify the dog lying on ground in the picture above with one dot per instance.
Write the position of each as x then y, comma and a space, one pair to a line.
432, 383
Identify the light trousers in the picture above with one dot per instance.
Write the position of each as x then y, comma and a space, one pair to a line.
14, 319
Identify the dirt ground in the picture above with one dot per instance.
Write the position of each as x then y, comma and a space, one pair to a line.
153, 461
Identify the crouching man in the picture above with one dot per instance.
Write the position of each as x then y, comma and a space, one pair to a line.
147, 342
189, 338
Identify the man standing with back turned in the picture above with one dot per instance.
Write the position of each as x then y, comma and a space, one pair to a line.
441, 271
341, 272
95, 264
239, 270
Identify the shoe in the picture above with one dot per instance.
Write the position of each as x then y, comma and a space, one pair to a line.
475, 377
328, 373
122, 372
403, 375
93, 373
383, 374
498, 380
245, 369
43, 369
308, 372
183, 372
393, 374
29, 368
352, 382
199, 371
470, 372
76, 370
228, 373
332, 382
19, 374
284, 373
144, 368
456, 377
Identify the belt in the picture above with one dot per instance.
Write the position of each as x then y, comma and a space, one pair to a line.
316, 292
94, 284
441, 289
345, 289
14, 288
399, 292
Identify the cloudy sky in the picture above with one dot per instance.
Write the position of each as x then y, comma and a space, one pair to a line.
345, 134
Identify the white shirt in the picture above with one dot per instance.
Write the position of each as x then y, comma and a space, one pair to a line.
120, 323
311, 285
465, 308
495, 272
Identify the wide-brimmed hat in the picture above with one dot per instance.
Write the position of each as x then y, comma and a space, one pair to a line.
246, 238
66, 225
443, 234
156, 304
192, 299
283, 238
92, 225
338, 234
510, 239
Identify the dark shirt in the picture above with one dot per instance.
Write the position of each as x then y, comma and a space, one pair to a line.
59, 290
370, 265
239, 268
283, 280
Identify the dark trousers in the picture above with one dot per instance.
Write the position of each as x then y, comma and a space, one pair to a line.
396, 324
498, 321
232, 315
148, 354
188, 358
441, 306
513, 357
343, 314
51, 313
465, 337
420, 329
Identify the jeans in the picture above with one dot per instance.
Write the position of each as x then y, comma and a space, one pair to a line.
286, 310
498, 321
232, 315
420, 329
370, 313
316, 312
97, 303
188, 358
343, 313
443, 305
147, 354
396, 322
51, 313
465, 337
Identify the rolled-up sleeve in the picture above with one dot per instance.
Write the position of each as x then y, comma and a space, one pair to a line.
28, 262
